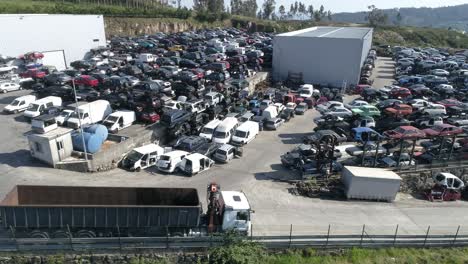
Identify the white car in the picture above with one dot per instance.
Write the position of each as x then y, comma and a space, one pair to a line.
6, 68
445, 88
356, 104
291, 105
434, 110
339, 111
9, 86
418, 103
440, 72
328, 105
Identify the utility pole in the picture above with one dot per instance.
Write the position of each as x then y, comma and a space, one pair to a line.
79, 121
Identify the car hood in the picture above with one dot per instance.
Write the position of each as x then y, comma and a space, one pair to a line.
431, 132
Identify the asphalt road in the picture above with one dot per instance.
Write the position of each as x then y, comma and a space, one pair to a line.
258, 173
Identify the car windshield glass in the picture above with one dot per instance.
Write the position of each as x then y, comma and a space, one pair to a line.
75, 115
438, 128
221, 151
164, 157
166, 119
241, 134
270, 122
15, 102
34, 107
112, 118
219, 134
65, 113
207, 130
134, 155
400, 130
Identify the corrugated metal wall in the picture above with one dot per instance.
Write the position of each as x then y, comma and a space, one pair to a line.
75, 34
326, 61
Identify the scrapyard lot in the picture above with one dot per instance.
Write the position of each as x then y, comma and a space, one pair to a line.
258, 173
255, 173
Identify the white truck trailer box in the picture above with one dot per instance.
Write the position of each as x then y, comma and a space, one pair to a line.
90, 113
370, 183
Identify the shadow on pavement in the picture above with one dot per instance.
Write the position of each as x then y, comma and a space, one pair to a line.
386, 72
277, 173
20, 158
293, 138
20, 118
387, 67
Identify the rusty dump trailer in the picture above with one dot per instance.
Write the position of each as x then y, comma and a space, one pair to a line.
61, 211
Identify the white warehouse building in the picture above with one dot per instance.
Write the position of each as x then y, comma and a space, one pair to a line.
61, 38
329, 56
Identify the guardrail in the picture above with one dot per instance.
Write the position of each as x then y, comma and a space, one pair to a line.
198, 242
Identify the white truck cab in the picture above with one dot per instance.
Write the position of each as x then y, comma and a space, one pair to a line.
236, 212
225, 130
119, 120
142, 157
19, 104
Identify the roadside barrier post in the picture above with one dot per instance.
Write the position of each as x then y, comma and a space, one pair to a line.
290, 236
456, 235
328, 236
427, 234
362, 234
396, 233
70, 236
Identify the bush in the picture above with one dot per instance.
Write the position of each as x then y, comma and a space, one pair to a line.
237, 251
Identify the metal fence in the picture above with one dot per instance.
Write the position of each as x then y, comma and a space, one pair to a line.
329, 238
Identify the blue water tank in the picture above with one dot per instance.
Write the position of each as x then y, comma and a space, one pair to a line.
99, 130
93, 142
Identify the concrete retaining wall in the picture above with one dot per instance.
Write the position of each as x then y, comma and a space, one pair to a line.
256, 79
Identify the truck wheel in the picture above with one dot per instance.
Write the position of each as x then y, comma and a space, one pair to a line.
85, 234
15, 112
61, 234
138, 169
39, 234
4, 91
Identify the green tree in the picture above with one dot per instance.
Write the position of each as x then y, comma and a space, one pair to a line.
301, 10
317, 16
310, 11
399, 18
268, 8
329, 15
376, 16
282, 12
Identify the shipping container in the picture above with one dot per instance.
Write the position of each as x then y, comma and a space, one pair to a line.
56, 211
370, 183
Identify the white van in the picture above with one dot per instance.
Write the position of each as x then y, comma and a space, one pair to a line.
195, 163
147, 57
225, 130
119, 120
208, 130
171, 160
43, 124
270, 112
142, 157
38, 107
245, 133
89, 113
19, 104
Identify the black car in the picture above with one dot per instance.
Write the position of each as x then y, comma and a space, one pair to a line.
88, 94
184, 63
175, 117
296, 157
57, 78
208, 148
189, 143
287, 114
165, 61
260, 120
186, 76
147, 87
82, 64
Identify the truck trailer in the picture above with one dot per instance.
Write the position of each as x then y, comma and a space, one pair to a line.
30, 211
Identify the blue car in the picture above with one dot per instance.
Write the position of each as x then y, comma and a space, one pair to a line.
365, 134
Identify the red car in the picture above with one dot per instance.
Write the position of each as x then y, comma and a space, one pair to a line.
443, 130
404, 132
33, 73
400, 92
149, 117
360, 88
399, 110
289, 98
199, 72
449, 102
87, 81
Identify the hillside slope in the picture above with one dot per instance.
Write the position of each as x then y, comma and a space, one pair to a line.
443, 17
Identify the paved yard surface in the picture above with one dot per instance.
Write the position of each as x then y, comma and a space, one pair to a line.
258, 173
